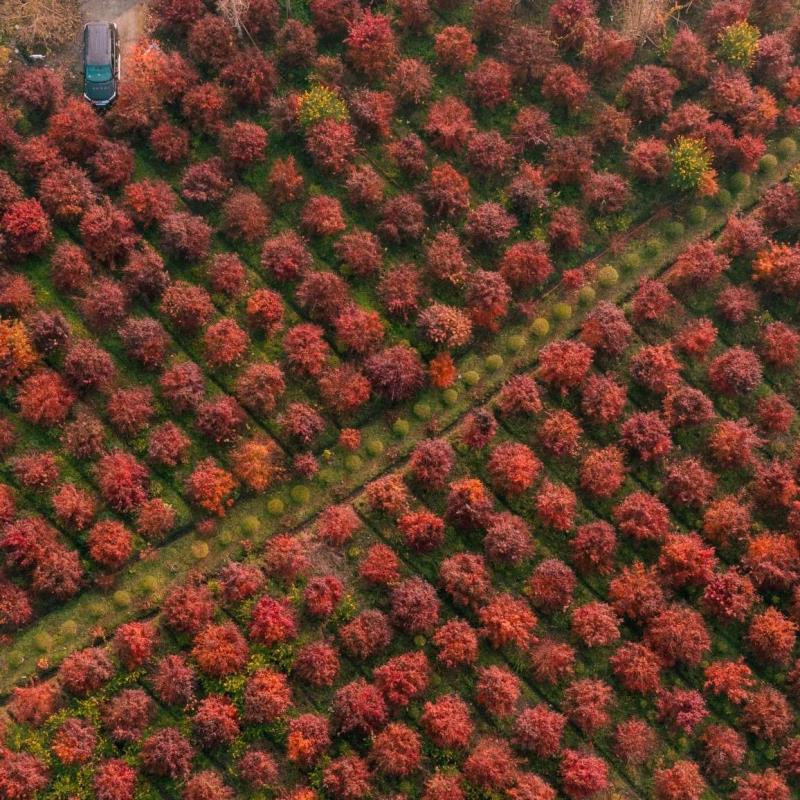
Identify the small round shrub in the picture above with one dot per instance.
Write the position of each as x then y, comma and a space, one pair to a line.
493, 362
353, 462
631, 262
696, 215
540, 327
329, 476
300, 494
652, 247
723, 198
587, 295
768, 164
472, 377
149, 584
739, 182
98, 609
608, 276
675, 230
401, 427
200, 550
422, 410
276, 506
251, 525
562, 311
787, 147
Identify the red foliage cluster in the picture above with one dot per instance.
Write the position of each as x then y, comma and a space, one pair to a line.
134, 643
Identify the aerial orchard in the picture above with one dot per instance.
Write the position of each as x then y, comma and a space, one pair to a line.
250, 283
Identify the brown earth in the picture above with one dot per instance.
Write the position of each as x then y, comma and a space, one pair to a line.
128, 14
130, 17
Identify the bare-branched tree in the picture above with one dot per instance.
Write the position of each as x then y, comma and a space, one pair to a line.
234, 11
644, 20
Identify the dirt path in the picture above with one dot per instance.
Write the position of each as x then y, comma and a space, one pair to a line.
128, 14
130, 17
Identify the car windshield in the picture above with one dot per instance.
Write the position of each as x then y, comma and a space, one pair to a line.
98, 73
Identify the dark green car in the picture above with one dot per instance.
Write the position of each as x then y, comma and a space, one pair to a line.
101, 63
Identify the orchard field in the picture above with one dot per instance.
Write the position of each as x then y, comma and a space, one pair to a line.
398, 400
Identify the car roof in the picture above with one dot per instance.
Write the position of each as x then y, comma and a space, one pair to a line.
98, 43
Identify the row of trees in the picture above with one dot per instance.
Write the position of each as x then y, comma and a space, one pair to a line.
45, 399
72, 164
219, 649
211, 43
331, 142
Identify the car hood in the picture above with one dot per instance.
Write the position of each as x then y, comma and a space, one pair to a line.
100, 92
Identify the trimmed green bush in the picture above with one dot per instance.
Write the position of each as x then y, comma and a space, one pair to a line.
652, 247
674, 229
97, 608
43, 641
401, 427
450, 397
122, 599
794, 177
608, 276
516, 343
225, 537
768, 164
251, 525
422, 410
328, 475
562, 311
631, 261
68, 628
587, 295
472, 377
353, 462
723, 198
275, 506
149, 584
200, 550
739, 182
494, 362
300, 494
375, 447
696, 215
540, 327
787, 147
